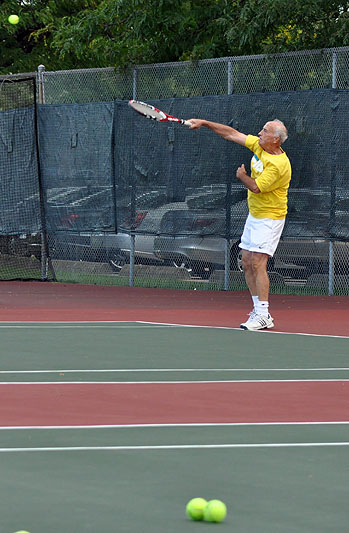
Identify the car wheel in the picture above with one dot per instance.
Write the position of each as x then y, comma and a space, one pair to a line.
236, 259
196, 269
116, 259
200, 270
18, 247
181, 264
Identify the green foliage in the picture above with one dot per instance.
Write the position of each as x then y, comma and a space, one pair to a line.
271, 26
24, 46
65, 34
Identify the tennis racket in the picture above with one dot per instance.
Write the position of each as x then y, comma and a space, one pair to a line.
149, 111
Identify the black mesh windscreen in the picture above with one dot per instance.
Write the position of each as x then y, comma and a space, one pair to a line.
77, 166
21, 234
105, 168
172, 180
19, 184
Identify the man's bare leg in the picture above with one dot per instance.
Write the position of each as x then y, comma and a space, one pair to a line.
256, 275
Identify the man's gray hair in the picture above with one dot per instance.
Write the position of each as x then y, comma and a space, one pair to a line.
280, 130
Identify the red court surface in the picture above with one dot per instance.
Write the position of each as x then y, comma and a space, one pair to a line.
52, 302
79, 404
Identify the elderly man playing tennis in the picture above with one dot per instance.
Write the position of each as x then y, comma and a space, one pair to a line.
267, 201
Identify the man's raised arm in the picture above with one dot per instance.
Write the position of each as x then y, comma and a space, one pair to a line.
228, 133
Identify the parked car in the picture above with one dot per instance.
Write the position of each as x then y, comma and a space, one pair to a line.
73, 214
191, 234
117, 246
22, 245
299, 254
140, 216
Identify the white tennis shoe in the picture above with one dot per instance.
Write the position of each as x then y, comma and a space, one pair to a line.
256, 322
250, 319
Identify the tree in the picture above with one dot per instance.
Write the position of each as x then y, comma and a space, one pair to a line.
24, 46
66, 34
272, 26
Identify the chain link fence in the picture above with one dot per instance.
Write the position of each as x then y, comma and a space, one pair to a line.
313, 69
198, 256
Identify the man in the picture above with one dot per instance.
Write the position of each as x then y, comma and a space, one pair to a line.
267, 201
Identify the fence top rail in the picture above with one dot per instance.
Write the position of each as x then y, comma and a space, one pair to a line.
181, 64
320, 51
4, 77
82, 70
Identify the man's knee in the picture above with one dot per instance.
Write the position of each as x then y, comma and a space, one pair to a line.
259, 262
246, 260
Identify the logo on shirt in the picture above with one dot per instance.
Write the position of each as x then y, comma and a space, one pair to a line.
256, 163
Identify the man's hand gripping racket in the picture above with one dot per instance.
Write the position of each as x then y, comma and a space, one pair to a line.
149, 111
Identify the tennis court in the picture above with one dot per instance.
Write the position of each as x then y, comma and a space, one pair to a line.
113, 425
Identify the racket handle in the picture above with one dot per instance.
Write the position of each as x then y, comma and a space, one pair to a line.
186, 123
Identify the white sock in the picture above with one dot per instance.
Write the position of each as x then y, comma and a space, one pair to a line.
255, 300
262, 308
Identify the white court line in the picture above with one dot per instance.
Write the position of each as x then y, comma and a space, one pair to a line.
244, 331
175, 447
175, 425
136, 324
87, 325
179, 382
189, 382
170, 370
9, 323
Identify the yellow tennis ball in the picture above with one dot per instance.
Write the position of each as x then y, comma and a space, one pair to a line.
195, 508
13, 19
215, 511
22, 531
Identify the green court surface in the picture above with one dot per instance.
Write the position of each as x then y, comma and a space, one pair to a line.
273, 477
130, 346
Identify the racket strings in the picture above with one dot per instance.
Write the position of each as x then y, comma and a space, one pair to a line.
148, 111
153, 113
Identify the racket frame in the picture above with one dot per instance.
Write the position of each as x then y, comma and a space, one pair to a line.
153, 113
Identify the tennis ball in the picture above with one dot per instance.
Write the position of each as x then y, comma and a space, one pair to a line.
195, 508
215, 511
13, 19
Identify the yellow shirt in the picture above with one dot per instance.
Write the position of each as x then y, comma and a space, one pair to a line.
273, 175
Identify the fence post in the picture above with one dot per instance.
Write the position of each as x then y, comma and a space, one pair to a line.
46, 262
134, 85
333, 198
41, 70
133, 201
44, 244
334, 70
226, 264
330, 268
132, 259
132, 234
230, 85
230, 77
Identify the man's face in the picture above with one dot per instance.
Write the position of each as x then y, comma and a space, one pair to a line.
267, 136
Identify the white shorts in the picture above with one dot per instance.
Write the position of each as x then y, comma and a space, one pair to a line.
261, 235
